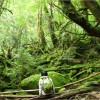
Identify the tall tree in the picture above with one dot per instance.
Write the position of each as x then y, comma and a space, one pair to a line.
51, 25
40, 29
73, 14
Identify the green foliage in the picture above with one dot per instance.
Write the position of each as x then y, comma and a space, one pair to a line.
61, 90
23, 57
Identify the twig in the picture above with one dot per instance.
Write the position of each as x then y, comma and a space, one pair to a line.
7, 10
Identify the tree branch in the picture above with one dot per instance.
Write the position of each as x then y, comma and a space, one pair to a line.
70, 11
94, 7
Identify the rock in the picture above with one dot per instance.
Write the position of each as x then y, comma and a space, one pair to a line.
32, 81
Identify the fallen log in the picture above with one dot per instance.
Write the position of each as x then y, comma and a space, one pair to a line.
16, 96
66, 85
19, 91
66, 94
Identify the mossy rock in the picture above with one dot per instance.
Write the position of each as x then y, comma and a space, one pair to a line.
32, 81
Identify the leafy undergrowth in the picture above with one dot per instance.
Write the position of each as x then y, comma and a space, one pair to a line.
62, 66
24, 65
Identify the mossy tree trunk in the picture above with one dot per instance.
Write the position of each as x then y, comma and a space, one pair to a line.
41, 36
94, 7
70, 11
85, 10
51, 25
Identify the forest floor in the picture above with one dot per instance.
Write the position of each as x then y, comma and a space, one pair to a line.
93, 95
91, 92
82, 73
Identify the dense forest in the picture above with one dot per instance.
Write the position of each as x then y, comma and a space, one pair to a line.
59, 36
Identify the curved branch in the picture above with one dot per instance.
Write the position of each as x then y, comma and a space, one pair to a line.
70, 11
94, 7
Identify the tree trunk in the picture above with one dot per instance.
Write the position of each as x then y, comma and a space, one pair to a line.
1, 4
70, 11
85, 11
41, 36
94, 7
51, 26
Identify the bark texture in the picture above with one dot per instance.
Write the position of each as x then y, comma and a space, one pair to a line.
41, 36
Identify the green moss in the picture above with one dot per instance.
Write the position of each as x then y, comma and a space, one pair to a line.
51, 69
61, 90
32, 81
57, 78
